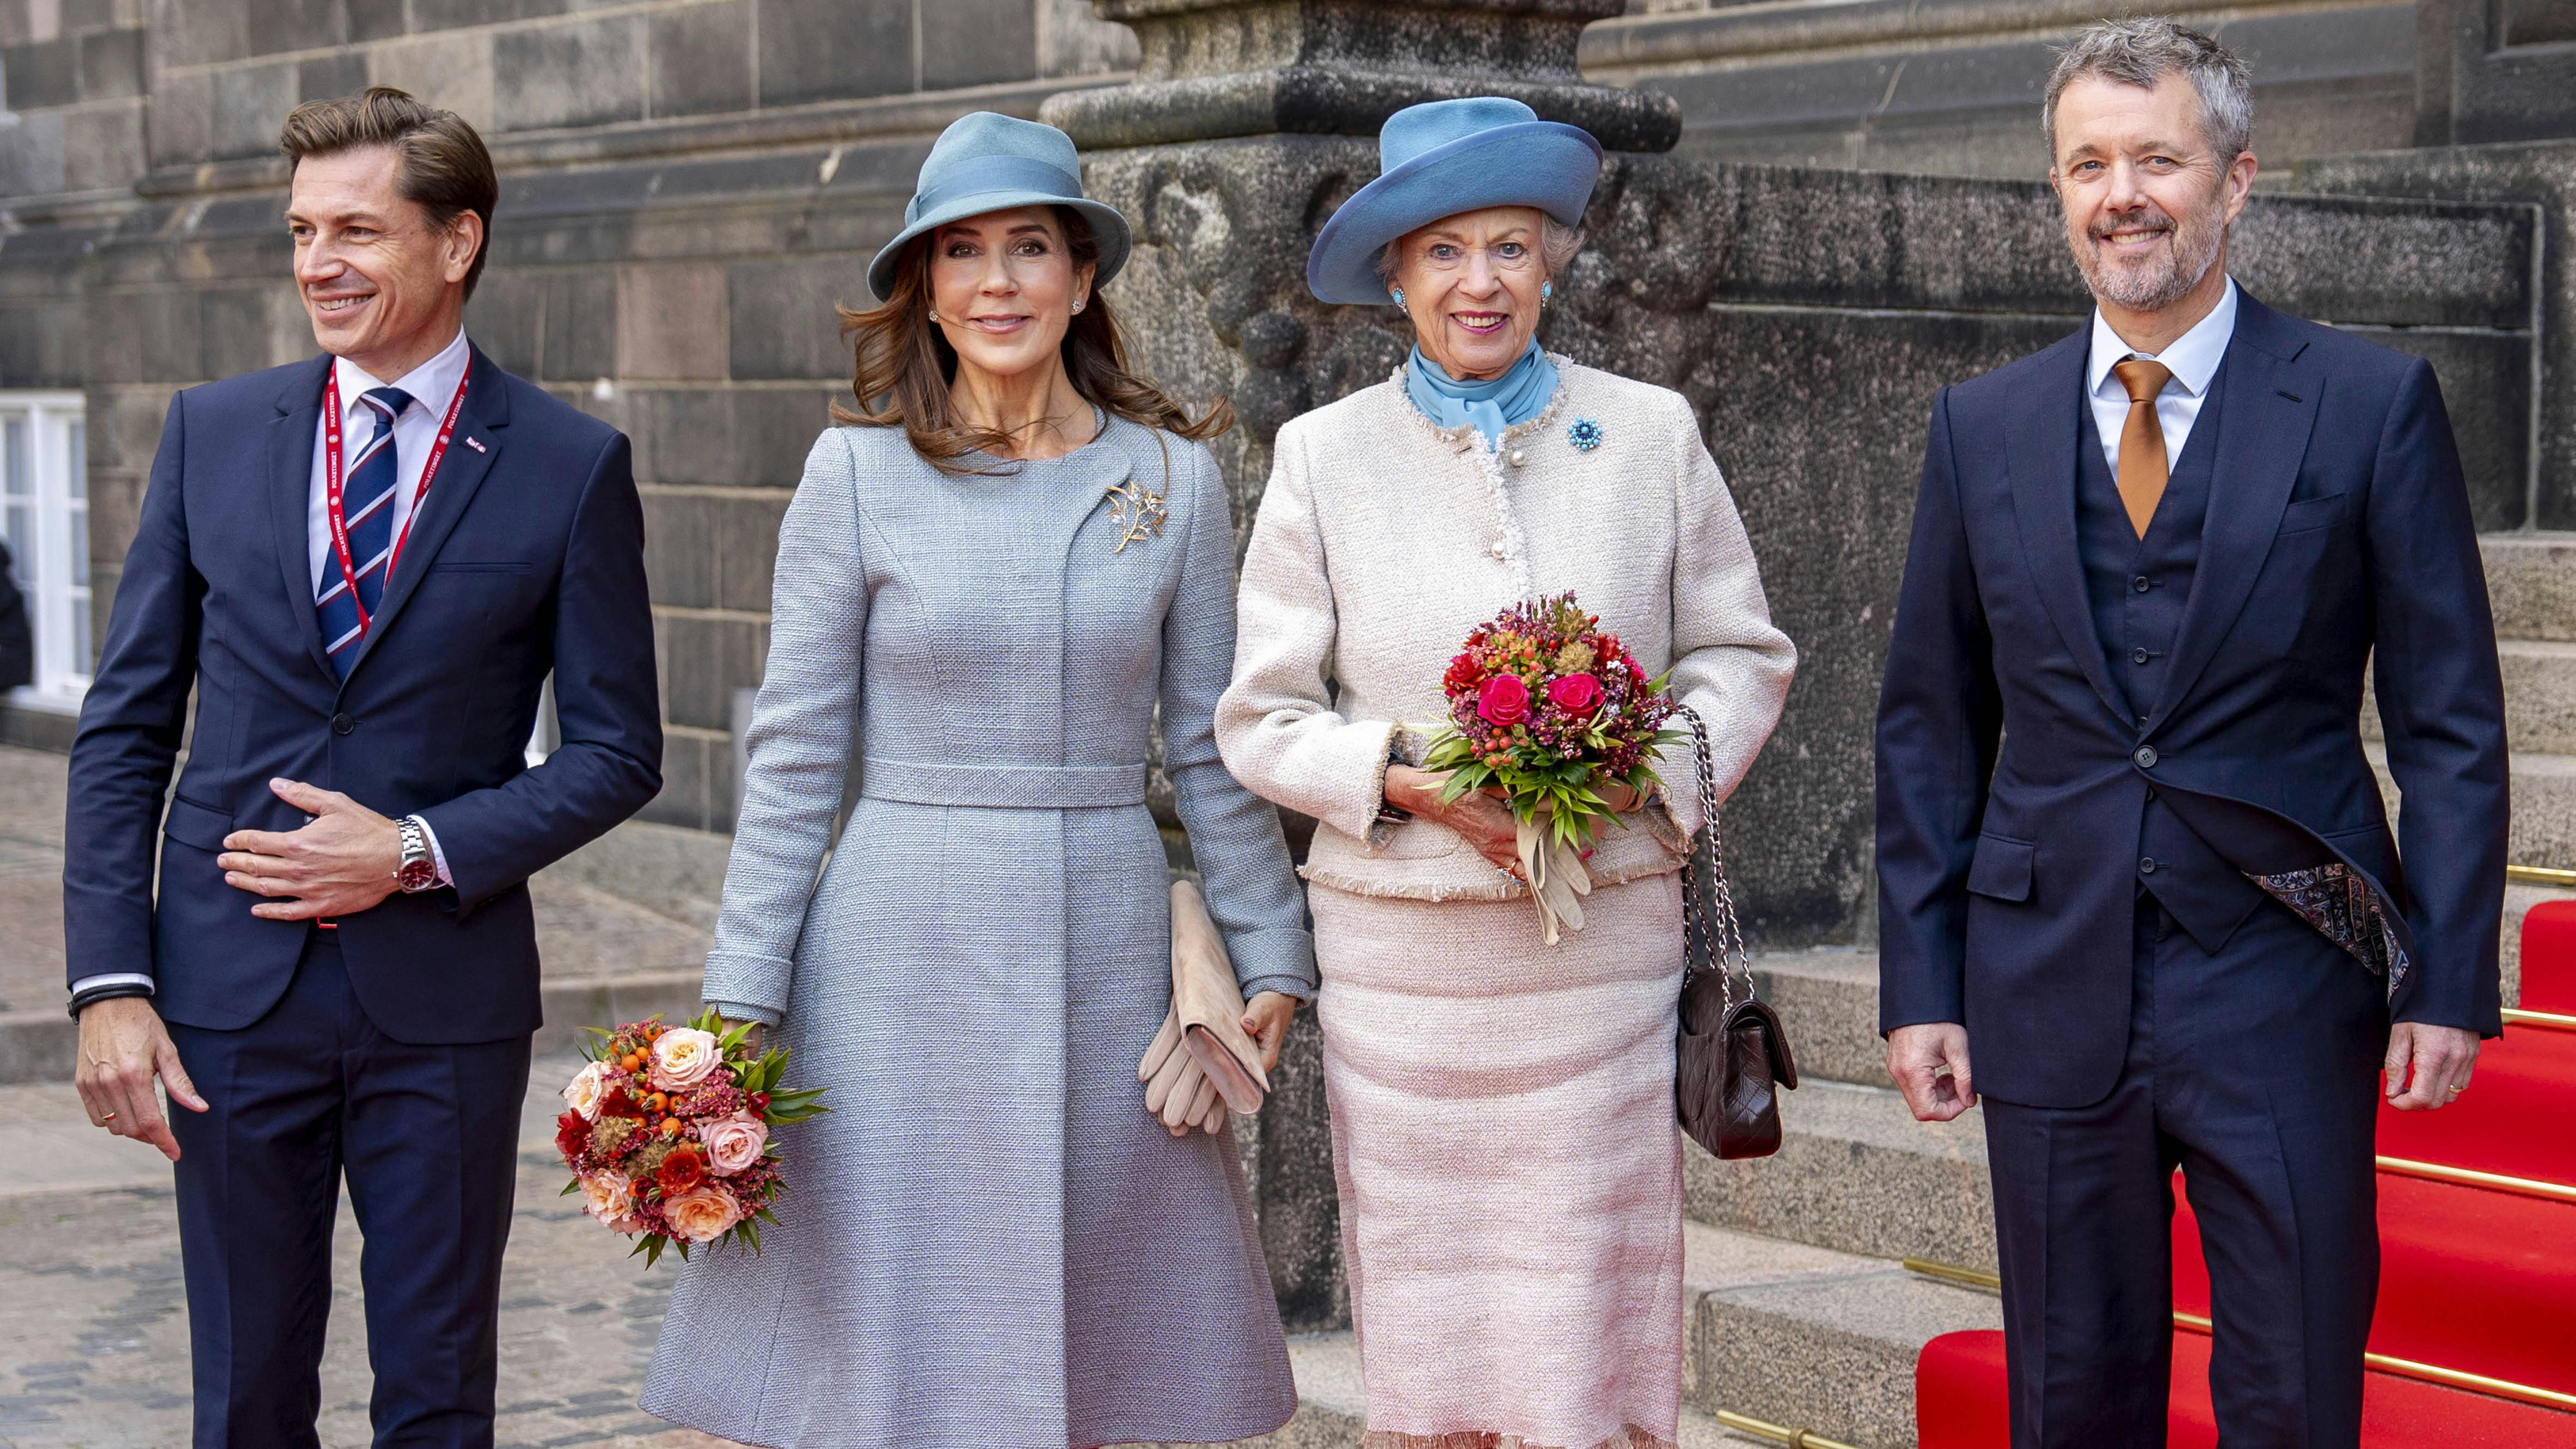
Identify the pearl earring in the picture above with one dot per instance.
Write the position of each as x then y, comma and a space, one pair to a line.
1399, 296
934, 314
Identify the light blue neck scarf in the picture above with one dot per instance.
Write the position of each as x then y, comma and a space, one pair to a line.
1515, 397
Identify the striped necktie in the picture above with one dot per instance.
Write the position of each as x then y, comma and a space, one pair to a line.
367, 502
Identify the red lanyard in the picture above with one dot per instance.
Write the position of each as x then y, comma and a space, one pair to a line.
331, 478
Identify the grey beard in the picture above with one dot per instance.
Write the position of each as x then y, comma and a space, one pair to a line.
2153, 289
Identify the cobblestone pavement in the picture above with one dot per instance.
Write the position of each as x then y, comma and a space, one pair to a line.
94, 1341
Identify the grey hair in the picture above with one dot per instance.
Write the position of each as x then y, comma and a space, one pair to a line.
2142, 51
1557, 245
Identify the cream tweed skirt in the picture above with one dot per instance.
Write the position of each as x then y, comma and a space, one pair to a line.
1509, 1166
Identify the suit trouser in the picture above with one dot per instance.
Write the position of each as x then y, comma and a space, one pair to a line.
427, 1137
2253, 1069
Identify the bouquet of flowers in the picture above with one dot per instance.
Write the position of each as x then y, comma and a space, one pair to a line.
1545, 707
666, 1130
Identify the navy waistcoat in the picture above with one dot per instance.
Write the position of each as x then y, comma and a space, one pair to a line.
2138, 589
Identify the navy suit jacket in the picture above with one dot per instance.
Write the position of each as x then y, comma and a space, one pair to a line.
526, 556
2014, 789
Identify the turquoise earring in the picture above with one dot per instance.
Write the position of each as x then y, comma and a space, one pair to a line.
1546, 290
1399, 296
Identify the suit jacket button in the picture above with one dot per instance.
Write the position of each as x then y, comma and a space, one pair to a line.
341, 724
2146, 757
2147, 865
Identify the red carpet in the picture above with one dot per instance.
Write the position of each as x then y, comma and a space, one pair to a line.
2549, 958
2471, 1279
2518, 1117
1959, 1404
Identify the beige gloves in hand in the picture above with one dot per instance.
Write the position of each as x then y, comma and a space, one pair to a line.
1202, 1062
1557, 880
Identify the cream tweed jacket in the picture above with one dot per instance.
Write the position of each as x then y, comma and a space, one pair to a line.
1384, 539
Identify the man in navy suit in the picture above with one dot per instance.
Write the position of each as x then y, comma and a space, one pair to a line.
365, 565
2130, 847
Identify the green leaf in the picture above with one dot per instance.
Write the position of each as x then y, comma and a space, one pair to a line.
653, 1243
570, 1188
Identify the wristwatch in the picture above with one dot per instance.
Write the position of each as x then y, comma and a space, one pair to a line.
419, 870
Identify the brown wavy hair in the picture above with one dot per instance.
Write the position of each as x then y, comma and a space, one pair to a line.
905, 366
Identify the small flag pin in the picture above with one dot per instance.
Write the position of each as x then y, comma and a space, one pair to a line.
475, 443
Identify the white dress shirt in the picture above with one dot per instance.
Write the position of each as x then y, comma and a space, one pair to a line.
2193, 359
432, 386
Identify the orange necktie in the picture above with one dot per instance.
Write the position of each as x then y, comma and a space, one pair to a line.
2142, 440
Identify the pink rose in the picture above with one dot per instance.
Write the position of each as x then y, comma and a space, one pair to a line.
1503, 700
1575, 696
702, 1214
733, 1143
683, 1056
608, 1196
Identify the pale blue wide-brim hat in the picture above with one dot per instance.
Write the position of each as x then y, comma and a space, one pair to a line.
1441, 158
987, 162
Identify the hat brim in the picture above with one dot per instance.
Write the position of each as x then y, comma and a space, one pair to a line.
1108, 228
1552, 166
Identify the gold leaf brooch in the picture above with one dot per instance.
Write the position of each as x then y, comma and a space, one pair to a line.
1137, 513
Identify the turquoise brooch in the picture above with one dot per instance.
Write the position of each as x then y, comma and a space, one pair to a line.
1584, 434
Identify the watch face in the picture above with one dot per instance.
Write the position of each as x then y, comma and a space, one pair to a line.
417, 875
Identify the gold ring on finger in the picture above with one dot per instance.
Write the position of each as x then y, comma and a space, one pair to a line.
2455, 1091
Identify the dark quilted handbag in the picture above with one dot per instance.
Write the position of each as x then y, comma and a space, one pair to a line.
1733, 1057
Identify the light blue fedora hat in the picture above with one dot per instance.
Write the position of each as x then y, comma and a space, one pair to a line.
1441, 158
987, 162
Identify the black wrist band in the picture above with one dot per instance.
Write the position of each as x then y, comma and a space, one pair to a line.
96, 994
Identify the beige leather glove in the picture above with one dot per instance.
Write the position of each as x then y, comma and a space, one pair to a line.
1557, 880
1177, 1090
1209, 1005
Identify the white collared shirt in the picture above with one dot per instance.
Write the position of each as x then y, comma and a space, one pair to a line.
2193, 359
432, 386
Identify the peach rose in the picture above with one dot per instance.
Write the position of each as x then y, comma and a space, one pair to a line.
733, 1143
584, 1091
702, 1214
683, 1057
608, 1196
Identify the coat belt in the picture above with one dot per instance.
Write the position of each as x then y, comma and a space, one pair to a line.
1004, 787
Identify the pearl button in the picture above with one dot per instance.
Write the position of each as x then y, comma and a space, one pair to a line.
1496, 550
1516, 457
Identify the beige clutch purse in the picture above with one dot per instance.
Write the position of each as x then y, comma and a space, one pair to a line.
1202, 1064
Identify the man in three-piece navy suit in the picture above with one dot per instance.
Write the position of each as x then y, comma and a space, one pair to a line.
2130, 847
365, 565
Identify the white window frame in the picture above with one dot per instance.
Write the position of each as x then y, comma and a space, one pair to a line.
57, 586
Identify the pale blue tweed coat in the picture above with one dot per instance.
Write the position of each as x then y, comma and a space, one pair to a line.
988, 1242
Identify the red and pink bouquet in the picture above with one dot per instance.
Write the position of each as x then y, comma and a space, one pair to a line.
1545, 707
666, 1130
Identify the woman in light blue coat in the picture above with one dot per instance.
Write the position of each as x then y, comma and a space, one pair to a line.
995, 575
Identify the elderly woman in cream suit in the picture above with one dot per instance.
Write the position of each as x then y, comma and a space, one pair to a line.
1502, 1110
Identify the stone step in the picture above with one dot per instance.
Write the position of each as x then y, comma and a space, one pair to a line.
1332, 1404
2543, 831
1828, 1003
2531, 581
2539, 697
1808, 1338
1856, 1173
1793, 1335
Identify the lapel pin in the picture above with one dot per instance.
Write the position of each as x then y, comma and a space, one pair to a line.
475, 443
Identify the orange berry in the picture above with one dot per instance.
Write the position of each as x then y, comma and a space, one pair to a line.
670, 1126
632, 1062
659, 1102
